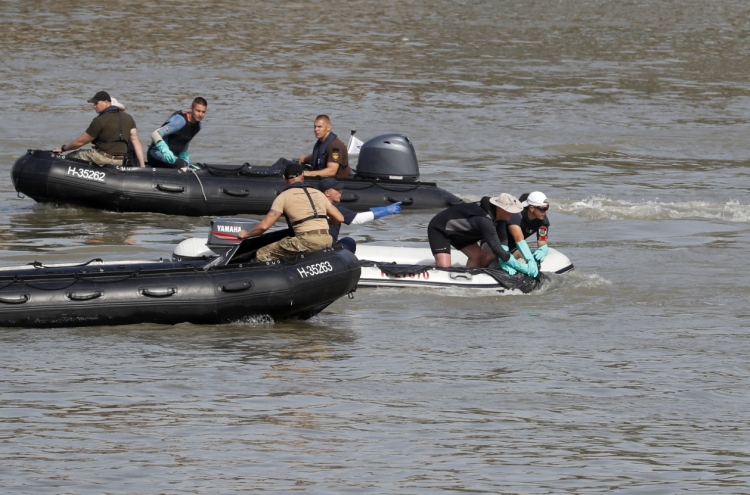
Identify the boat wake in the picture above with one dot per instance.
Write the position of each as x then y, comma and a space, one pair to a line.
602, 208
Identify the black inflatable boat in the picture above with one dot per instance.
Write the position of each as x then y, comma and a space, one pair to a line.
387, 172
203, 290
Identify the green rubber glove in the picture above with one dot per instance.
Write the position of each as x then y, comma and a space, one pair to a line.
532, 268
507, 265
166, 153
541, 253
507, 268
513, 265
184, 155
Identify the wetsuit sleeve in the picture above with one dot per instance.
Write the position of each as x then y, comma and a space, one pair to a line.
490, 235
501, 228
174, 124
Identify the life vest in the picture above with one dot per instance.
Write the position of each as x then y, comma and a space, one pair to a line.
178, 140
319, 152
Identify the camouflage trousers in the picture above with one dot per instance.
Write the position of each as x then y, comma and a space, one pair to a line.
291, 246
96, 157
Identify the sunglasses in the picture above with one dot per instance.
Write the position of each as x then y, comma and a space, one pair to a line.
542, 208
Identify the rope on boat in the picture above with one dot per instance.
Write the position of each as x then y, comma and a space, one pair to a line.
200, 183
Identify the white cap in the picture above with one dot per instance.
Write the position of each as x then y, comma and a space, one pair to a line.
535, 198
118, 104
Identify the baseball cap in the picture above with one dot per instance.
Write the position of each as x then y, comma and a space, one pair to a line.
535, 198
330, 183
293, 170
507, 202
99, 96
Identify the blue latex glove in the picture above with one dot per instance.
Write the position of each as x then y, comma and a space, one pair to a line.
541, 253
532, 269
184, 155
384, 211
166, 153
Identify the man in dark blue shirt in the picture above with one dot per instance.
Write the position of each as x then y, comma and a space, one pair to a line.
332, 189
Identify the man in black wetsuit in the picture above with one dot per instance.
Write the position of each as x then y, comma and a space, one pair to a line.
332, 190
532, 220
330, 157
462, 226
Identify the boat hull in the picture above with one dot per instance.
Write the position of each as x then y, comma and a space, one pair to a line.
216, 190
122, 293
407, 267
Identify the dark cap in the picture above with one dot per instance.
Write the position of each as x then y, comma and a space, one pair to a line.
293, 170
100, 96
330, 183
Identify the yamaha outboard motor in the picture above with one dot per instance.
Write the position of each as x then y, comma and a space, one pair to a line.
388, 157
221, 238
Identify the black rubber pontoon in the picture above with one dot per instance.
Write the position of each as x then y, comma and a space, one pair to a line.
220, 190
218, 290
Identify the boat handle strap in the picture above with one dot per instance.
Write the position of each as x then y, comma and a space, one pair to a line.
405, 201
159, 293
237, 287
74, 296
15, 300
170, 188
233, 192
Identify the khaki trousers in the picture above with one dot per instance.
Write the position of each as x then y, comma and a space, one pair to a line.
290, 246
96, 157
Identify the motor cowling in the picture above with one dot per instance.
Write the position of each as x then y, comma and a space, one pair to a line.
192, 249
221, 238
223, 234
388, 157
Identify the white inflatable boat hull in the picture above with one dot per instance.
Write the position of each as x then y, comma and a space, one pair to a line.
457, 276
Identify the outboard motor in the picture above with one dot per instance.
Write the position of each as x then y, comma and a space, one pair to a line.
221, 238
388, 157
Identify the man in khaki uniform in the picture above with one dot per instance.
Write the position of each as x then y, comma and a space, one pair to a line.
305, 209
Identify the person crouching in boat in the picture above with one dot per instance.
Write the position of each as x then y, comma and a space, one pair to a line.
169, 143
532, 220
463, 225
305, 209
110, 131
332, 190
